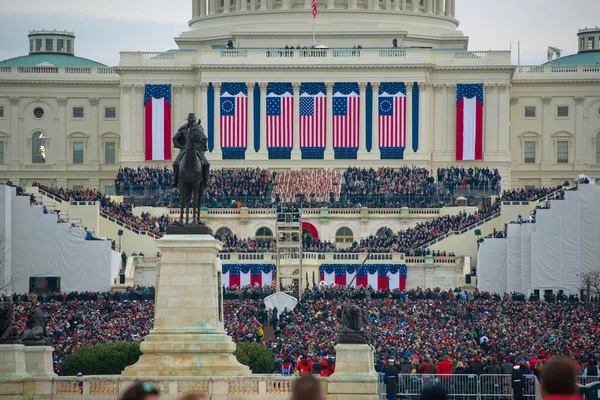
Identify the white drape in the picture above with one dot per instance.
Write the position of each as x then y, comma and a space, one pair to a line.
513, 258
491, 270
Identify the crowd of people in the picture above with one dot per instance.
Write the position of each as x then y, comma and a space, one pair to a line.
310, 183
476, 178
422, 324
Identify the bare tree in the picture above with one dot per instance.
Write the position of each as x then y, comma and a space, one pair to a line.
590, 283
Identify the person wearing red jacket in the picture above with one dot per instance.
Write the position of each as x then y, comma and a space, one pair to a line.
304, 367
325, 371
444, 368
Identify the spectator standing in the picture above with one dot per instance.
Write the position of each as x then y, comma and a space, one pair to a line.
391, 379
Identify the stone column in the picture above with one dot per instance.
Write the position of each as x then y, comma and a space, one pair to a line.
376, 154
91, 145
329, 153
453, 8
423, 118
296, 153
188, 338
439, 7
415, 6
404, 6
202, 4
429, 6
330, 4
226, 6
388, 5
138, 116
263, 5
396, 5
447, 9
243, 5
202, 110
440, 127
217, 121
15, 134
61, 160
353, 4
451, 120
307, 4
490, 129
548, 148
362, 136
126, 148
580, 142
195, 8
409, 120
213, 7
503, 120
263, 121
177, 111
250, 87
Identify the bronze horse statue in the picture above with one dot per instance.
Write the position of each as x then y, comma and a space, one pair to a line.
191, 178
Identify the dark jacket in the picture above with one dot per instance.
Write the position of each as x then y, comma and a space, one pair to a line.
494, 370
507, 368
405, 367
517, 384
391, 379
476, 368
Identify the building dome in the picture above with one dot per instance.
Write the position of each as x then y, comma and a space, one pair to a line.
339, 23
589, 49
51, 49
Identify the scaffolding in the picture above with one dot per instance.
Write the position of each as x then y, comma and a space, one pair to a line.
289, 248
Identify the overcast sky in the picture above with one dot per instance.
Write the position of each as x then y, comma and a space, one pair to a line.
104, 28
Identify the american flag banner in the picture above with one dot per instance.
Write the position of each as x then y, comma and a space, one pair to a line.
280, 115
314, 8
242, 275
392, 115
377, 276
157, 108
346, 115
233, 123
313, 111
469, 122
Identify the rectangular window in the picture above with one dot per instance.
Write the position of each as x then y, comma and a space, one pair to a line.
38, 44
78, 112
562, 112
1, 152
110, 152
110, 113
31, 45
590, 45
562, 152
77, 152
60, 45
529, 152
69, 46
1, 111
529, 112
49, 45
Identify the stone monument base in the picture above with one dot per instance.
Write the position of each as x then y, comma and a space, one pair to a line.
187, 354
38, 361
12, 361
355, 377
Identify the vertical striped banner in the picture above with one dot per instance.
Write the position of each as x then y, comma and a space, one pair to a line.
346, 115
280, 116
233, 124
313, 120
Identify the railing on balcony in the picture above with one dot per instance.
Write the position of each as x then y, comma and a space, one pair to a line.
556, 71
50, 70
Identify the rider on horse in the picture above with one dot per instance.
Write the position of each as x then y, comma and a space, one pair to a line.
179, 142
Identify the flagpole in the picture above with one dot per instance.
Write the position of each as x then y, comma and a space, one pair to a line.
361, 267
313, 32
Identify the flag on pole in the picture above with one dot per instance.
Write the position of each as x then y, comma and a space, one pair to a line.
313, 111
392, 115
346, 115
469, 122
280, 115
233, 123
157, 107
314, 8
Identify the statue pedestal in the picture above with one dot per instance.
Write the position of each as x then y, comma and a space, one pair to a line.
188, 338
355, 377
38, 361
12, 361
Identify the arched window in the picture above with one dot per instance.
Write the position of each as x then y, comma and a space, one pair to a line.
38, 148
224, 231
264, 233
384, 231
598, 146
344, 235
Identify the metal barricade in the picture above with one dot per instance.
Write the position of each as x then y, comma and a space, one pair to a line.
585, 380
467, 387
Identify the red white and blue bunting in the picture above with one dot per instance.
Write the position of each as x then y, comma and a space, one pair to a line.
377, 276
242, 275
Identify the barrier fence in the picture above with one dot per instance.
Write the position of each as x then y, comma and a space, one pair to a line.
474, 387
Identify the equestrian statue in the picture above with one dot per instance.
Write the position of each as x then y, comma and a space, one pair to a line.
191, 168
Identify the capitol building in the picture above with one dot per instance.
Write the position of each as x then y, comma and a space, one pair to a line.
268, 97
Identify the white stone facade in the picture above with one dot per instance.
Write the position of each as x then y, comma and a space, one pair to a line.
562, 102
